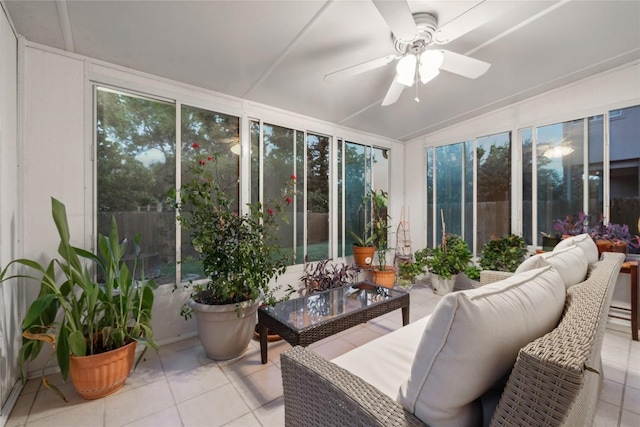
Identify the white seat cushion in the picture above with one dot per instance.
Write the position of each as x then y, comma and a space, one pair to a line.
570, 262
584, 242
471, 341
385, 362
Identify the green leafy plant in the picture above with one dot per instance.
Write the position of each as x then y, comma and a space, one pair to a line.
409, 271
239, 252
380, 225
503, 254
76, 314
451, 257
366, 239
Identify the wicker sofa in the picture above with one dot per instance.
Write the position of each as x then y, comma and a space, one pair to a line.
555, 379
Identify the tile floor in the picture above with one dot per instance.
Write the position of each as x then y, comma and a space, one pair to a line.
179, 386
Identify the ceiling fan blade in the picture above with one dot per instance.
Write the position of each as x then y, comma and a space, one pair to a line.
394, 92
360, 68
398, 17
463, 65
473, 18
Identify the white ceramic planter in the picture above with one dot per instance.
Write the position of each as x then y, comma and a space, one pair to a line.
223, 334
442, 286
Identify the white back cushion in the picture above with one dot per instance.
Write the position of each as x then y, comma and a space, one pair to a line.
584, 242
471, 341
570, 262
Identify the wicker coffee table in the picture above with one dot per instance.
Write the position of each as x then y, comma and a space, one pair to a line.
303, 321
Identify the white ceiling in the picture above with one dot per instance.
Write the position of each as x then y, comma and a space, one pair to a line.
277, 52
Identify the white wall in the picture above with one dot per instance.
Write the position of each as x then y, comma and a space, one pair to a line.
58, 137
11, 299
617, 88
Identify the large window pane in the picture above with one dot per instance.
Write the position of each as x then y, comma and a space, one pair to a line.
493, 187
595, 137
216, 135
560, 172
624, 163
317, 179
429, 215
135, 170
450, 185
356, 213
526, 136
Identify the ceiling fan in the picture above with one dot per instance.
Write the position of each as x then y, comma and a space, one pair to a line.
414, 39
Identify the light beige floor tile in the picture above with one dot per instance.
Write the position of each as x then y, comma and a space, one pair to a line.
32, 385
633, 377
90, 413
168, 417
333, 349
606, 415
275, 350
271, 414
146, 372
178, 346
21, 410
635, 347
361, 336
189, 384
383, 326
615, 355
614, 372
124, 408
48, 403
322, 342
185, 360
616, 340
247, 420
261, 387
629, 419
213, 409
250, 363
611, 392
631, 400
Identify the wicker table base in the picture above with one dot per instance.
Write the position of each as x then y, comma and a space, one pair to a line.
304, 321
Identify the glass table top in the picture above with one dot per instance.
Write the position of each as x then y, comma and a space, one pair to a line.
300, 313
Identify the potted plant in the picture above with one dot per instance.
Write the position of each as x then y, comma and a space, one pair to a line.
447, 260
239, 255
503, 254
613, 237
322, 275
94, 327
363, 247
382, 274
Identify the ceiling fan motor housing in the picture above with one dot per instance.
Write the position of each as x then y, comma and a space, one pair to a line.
427, 24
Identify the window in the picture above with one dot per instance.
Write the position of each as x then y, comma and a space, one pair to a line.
363, 168
469, 183
135, 169
624, 166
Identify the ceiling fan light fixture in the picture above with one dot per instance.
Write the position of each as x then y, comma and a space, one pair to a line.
406, 70
427, 74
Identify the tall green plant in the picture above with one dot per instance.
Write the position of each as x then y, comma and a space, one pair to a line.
451, 257
93, 317
503, 254
380, 225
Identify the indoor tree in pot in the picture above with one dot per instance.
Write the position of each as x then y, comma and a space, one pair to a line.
94, 327
239, 255
381, 274
363, 247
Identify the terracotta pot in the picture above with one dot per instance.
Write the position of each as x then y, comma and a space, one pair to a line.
386, 277
101, 374
363, 255
611, 246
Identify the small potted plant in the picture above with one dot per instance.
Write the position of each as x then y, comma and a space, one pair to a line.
363, 247
94, 327
323, 275
446, 261
381, 274
240, 256
503, 254
613, 237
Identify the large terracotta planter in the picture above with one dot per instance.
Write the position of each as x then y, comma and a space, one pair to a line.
611, 246
101, 374
223, 334
386, 277
363, 255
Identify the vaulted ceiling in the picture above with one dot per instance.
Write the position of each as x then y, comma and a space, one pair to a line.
278, 52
